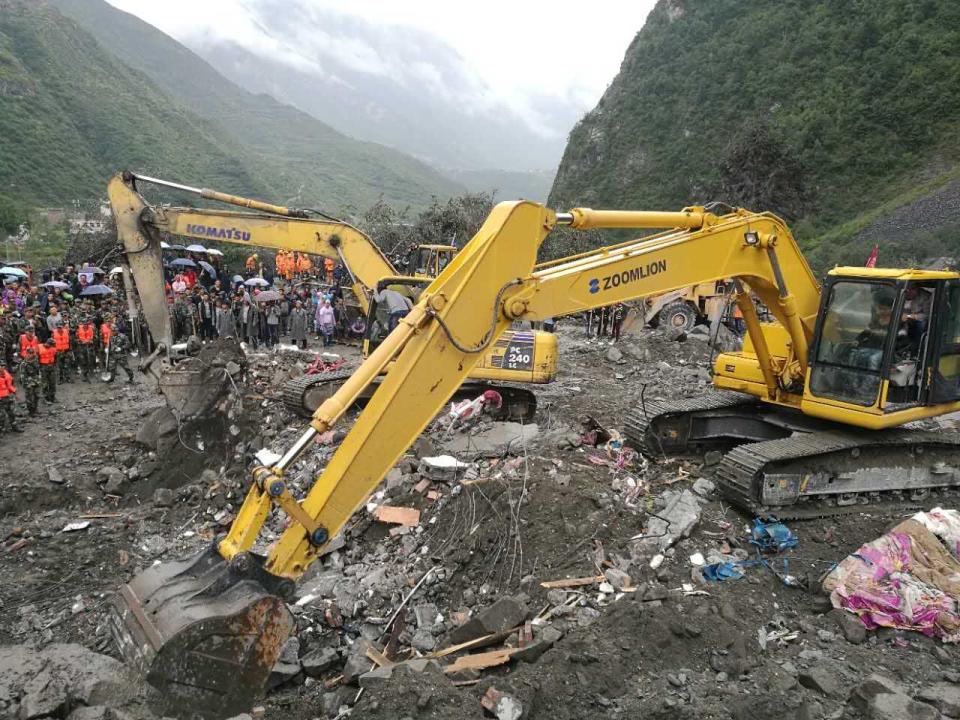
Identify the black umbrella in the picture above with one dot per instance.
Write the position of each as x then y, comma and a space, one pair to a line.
96, 290
209, 269
183, 262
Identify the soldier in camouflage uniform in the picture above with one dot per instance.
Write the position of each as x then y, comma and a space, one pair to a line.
8, 400
6, 341
30, 380
119, 347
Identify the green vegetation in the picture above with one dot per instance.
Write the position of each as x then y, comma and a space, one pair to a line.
304, 161
72, 113
856, 102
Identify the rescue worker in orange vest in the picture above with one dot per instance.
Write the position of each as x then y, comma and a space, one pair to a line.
29, 339
48, 370
86, 351
106, 329
8, 399
328, 266
61, 340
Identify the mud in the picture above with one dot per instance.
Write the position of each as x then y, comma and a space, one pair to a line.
513, 516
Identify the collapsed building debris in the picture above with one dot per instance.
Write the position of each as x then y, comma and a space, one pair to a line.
549, 576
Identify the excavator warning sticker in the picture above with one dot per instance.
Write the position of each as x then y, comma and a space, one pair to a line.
627, 276
518, 354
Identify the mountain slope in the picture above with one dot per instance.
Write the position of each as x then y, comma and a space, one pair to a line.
71, 114
820, 111
250, 144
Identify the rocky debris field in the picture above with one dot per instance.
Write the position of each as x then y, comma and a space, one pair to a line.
500, 571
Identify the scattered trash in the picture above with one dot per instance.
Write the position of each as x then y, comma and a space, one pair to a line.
501, 705
697, 559
772, 537
907, 579
718, 572
75, 526
267, 458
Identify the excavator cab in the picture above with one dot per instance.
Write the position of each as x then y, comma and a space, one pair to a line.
887, 342
429, 260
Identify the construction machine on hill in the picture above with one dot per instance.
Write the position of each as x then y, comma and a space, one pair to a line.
516, 357
810, 407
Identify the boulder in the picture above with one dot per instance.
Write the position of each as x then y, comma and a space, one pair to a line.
505, 613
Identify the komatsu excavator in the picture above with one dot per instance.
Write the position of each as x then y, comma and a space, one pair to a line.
517, 357
810, 407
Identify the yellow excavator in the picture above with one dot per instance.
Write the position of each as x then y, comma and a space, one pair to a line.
810, 407
517, 357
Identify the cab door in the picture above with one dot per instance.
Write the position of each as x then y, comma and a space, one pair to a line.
943, 371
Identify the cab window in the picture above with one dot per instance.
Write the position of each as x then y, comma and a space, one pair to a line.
853, 337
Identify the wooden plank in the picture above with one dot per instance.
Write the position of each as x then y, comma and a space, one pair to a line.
475, 643
573, 582
377, 657
100, 516
397, 515
480, 661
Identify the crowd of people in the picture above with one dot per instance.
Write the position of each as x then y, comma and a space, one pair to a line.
70, 324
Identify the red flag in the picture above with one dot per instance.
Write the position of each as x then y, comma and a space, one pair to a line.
872, 260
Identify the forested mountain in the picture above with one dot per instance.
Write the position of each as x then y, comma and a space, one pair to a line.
837, 114
75, 108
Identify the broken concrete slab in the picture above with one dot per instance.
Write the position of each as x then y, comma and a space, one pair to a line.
880, 698
505, 613
316, 662
497, 439
617, 578
675, 521
542, 642
945, 697
49, 681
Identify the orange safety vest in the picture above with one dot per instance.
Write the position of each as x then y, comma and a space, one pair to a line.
105, 332
85, 333
26, 342
61, 336
48, 355
6, 384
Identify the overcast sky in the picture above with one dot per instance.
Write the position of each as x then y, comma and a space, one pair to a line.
519, 49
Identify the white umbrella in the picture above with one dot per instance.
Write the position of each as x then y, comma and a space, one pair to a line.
213, 251
196, 248
164, 245
116, 270
16, 272
259, 282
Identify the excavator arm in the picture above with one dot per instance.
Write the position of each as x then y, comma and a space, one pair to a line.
139, 227
197, 627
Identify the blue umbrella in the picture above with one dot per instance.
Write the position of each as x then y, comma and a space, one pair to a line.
96, 290
56, 284
182, 262
208, 268
237, 279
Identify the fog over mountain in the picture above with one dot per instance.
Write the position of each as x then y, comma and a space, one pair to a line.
397, 85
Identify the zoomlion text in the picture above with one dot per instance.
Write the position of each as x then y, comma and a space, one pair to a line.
628, 276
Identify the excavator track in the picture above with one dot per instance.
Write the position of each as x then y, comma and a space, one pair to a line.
799, 473
834, 472
679, 426
305, 394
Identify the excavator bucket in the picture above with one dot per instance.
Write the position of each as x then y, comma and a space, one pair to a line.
205, 633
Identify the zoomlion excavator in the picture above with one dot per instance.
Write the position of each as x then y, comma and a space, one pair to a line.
517, 356
810, 407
